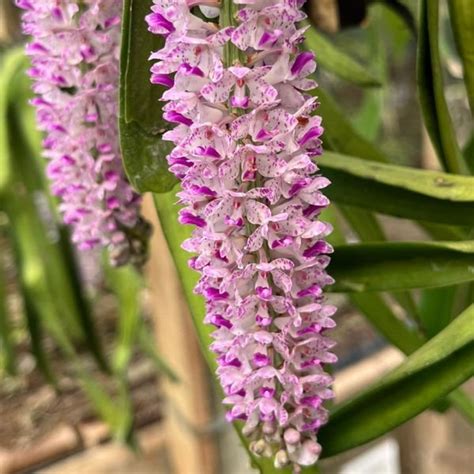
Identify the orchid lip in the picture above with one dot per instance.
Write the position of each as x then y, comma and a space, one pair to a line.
162, 79
300, 62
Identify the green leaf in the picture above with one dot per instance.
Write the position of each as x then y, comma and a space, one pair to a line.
368, 229
57, 256
368, 119
11, 63
37, 304
126, 284
443, 232
175, 234
69, 286
398, 332
469, 153
148, 345
381, 316
436, 308
399, 191
141, 123
331, 58
401, 265
433, 371
340, 134
464, 404
364, 224
431, 90
117, 412
462, 21
403, 12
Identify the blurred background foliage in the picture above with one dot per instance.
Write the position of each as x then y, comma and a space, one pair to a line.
51, 298
396, 91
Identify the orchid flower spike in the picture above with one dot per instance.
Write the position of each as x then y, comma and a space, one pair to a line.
246, 147
75, 68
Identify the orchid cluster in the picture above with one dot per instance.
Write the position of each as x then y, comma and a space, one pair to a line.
245, 144
75, 64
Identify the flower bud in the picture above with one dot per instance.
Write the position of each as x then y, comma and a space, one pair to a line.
281, 459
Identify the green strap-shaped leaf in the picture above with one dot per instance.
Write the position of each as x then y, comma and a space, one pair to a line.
331, 58
126, 284
396, 331
141, 122
429, 183
403, 12
401, 265
381, 316
368, 229
399, 191
462, 21
431, 91
147, 344
175, 234
339, 133
10, 64
368, 118
436, 308
464, 404
430, 373
364, 224
60, 266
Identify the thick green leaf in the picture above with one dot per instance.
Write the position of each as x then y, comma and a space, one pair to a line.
430, 373
399, 191
401, 265
431, 90
368, 229
425, 182
144, 156
141, 123
331, 58
400, 333
462, 21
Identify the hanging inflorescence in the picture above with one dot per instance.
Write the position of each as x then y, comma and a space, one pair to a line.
245, 143
75, 68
